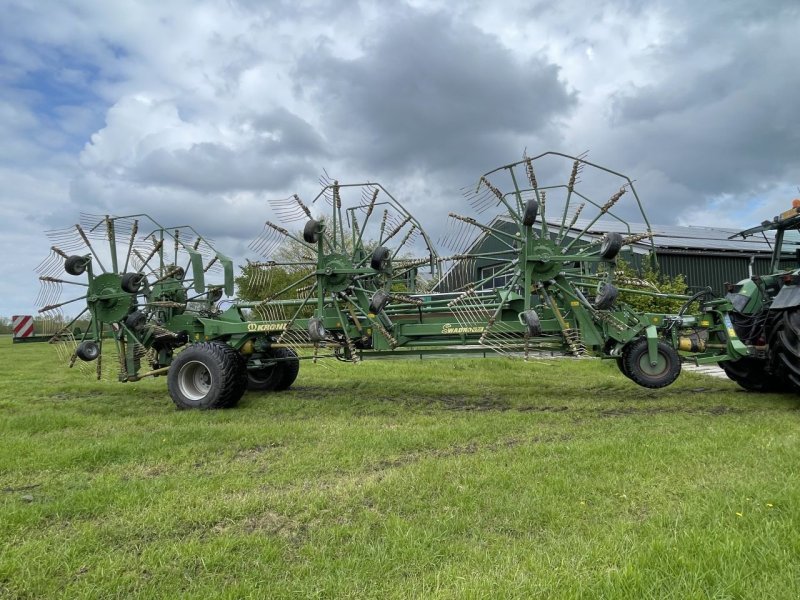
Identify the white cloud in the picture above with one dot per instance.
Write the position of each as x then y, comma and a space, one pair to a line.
201, 110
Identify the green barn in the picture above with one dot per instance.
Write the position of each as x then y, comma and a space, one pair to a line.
705, 256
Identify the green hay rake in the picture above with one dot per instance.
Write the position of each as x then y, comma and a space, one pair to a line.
364, 280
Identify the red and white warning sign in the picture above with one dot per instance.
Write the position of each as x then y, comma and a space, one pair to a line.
22, 325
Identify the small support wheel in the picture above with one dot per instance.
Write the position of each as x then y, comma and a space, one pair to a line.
531, 212
611, 245
132, 282
531, 321
381, 259
378, 302
136, 321
311, 231
207, 375
637, 363
76, 265
87, 351
316, 330
606, 296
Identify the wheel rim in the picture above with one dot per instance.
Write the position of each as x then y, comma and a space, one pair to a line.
661, 366
194, 380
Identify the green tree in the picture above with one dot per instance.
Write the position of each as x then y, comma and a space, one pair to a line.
649, 279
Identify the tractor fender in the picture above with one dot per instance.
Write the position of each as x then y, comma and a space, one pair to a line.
788, 297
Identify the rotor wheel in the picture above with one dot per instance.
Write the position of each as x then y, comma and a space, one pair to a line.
208, 375
378, 302
530, 319
637, 363
87, 351
606, 296
132, 282
611, 245
531, 212
381, 259
751, 374
75, 265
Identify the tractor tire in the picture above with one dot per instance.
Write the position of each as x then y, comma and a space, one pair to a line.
637, 363
311, 231
751, 374
531, 212
291, 368
75, 265
381, 259
611, 245
532, 323
784, 344
378, 302
87, 351
132, 282
208, 375
606, 297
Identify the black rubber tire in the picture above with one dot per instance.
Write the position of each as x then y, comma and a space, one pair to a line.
531, 212
638, 364
277, 377
178, 273
316, 330
132, 282
207, 375
87, 351
136, 321
75, 265
611, 245
751, 374
265, 379
381, 259
214, 295
606, 297
311, 231
531, 321
784, 348
291, 368
378, 302
622, 368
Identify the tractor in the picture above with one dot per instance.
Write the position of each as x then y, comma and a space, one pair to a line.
766, 313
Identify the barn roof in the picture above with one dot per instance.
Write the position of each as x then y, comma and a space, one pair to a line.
676, 237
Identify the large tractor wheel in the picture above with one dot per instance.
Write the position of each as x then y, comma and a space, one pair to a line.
637, 364
784, 343
206, 376
751, 374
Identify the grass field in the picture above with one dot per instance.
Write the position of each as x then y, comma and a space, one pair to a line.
438, 478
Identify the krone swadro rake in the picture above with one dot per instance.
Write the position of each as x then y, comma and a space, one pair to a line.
352, 275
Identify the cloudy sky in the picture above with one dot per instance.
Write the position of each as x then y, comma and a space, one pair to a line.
200, 111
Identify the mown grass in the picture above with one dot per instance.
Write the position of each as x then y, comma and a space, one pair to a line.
436, 478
